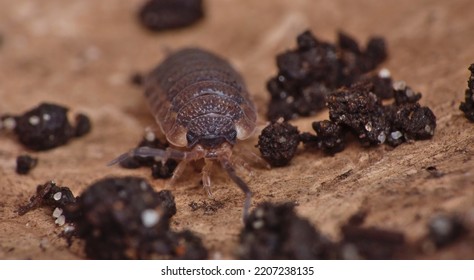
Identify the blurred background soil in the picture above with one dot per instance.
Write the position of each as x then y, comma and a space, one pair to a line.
81, 54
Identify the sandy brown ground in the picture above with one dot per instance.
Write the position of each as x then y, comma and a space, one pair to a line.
81, 55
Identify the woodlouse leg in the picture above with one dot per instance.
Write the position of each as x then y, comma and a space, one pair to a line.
206, 176
178, 171
158, 153
227, 166
148, 152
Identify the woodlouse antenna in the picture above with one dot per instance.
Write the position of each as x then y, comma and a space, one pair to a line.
227, 166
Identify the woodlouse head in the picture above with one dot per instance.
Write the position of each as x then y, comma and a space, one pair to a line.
211, 132
211, 141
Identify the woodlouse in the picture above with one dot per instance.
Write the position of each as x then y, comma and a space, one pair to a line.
202, 106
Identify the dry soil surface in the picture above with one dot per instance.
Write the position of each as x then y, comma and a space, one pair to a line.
82, 53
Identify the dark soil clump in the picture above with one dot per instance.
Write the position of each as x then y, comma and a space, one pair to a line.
124, 218
158, 169
25, 163
119, 218
309, 73
47, 126
359, 111
330, 136
468, 105
160, 15
360, 242
318, 75
276, 232
83, 125
415, 122
444, 230
50, 195
278, 143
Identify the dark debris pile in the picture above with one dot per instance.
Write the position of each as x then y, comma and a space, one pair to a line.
50, 195
161, 15
444, 229
359, 111
276, 232
359, 242
46, 126
158, 169
120, 218
319, 75
309, 73
124, 218
468, 105
54, 197
330, 136
25, 163
355, 110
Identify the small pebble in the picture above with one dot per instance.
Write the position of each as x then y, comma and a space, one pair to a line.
57, 196
150, 136
258, 224
382, 137
61, 220
368, 127
396, 135
399, 85
34, 120
150, 217
57, 212
9, 123
384, 73
69, 229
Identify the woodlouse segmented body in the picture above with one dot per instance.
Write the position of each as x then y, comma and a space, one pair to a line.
201, 103
196, 97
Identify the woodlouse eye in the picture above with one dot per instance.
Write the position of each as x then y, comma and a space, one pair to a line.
231, 136
191, 138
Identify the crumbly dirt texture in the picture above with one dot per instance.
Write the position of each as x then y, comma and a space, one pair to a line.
278, 143
276, 232
82, 55
125, 218
25, 163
